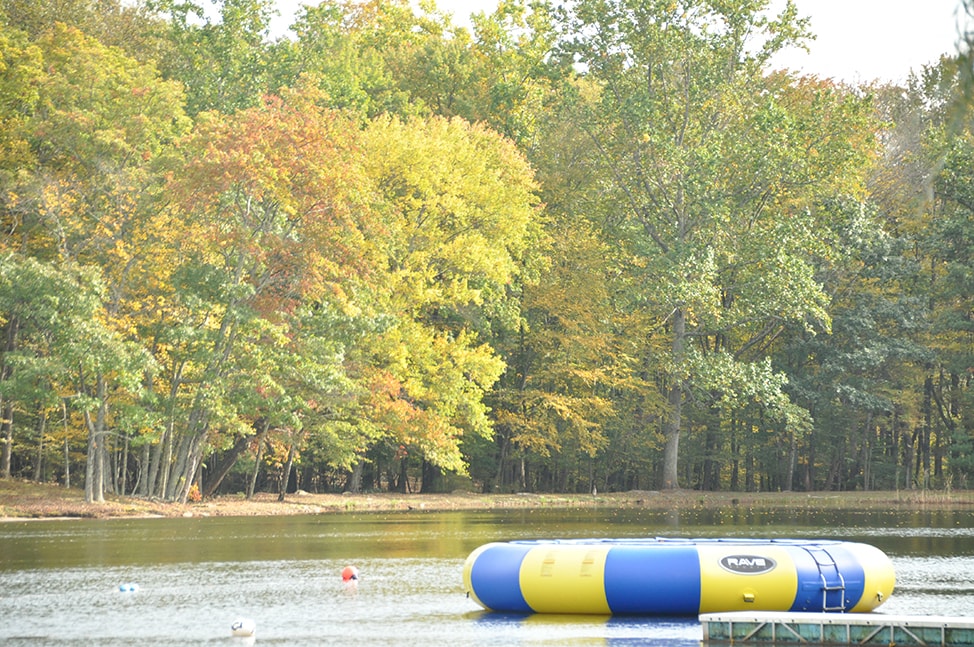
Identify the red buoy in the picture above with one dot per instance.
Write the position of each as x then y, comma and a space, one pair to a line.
349, 574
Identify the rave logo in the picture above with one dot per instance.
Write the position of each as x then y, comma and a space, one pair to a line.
747, 564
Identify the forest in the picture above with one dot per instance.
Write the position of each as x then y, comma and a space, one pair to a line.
579, 246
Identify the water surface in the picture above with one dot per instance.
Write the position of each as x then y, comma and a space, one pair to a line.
59, 580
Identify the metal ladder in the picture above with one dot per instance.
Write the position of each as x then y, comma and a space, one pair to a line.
832, 581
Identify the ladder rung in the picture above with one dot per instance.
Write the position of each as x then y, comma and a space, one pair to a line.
831, 579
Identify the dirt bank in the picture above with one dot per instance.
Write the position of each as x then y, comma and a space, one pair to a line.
25, 500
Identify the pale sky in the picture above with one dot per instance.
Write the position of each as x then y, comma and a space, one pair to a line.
864, 40
856, 40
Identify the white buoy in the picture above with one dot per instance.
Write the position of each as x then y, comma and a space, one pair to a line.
128, 587
243, 627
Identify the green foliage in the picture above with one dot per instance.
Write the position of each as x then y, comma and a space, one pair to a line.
222, 63
20, 75
50, 313
459, 215
595, 244
128, 26
714, 170
374, 57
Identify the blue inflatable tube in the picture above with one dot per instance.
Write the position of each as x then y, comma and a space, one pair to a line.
660, 576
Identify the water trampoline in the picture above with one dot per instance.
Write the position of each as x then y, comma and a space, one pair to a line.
679, 577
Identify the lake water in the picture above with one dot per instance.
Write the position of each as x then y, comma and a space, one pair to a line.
59, 580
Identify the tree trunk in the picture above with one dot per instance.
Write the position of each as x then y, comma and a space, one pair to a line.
123, 467
95, 463
192, 443
162, 453
41, 430
927, 428
137, 481
194, 464
188, 453
67, 463
152, 485
432, 477
748, 469
402, 481
7, 425
226, 464
90, 465
287, 472
735, 452
354, 482
6, 407
258, 454
499, 481
145, 470
673, 421
787, 486
176, 469
867, 458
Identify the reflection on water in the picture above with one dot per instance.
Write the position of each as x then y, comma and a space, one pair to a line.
59, 580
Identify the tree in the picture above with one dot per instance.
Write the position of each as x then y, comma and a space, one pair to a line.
62, 347
514, 74
222, 63
461, 221
858, 379
938, 230
129, 26
84, 202
376, 57
20, 76
714, 169
272, 225
97, 124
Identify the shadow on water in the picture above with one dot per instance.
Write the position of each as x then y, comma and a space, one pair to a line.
620, 631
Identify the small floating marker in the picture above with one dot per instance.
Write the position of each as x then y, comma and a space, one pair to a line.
128, 587
243, 627
350, 580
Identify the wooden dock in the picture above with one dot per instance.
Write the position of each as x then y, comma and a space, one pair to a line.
836, 629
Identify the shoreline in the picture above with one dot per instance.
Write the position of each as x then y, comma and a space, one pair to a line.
22, 501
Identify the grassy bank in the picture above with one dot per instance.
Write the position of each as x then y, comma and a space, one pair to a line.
25, 500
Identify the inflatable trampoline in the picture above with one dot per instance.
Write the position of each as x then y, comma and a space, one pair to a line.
661, 576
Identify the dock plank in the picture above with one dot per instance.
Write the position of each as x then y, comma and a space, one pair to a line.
837, 629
